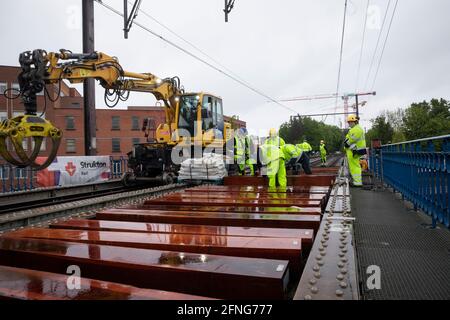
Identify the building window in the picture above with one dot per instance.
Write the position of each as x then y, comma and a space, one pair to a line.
115, 123
71, 146
3, 87
21, 173
135, 123
70, 123
135, 141
4, 173
115, 144
16, 89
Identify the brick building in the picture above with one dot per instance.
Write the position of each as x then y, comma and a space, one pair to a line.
117, 129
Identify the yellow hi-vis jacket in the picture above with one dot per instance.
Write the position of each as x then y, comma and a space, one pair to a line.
290, 151
355, 139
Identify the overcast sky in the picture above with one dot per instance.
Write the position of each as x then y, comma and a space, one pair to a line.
284, 48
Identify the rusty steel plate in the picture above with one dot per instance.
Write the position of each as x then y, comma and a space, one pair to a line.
294, 221
246, 195
25, 284
281, 202
254, 247
107, 225
199, 274
259, 189
234, 209
304, 180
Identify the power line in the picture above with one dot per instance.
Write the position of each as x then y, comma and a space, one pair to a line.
376, 47
198, 58
362, 46
384, 45
192, 45
340, 61
341, 51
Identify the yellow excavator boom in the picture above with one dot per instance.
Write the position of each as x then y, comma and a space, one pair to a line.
40, 68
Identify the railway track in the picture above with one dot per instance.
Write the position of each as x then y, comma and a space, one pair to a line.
333, 160
294, 243
14, 202
18, 214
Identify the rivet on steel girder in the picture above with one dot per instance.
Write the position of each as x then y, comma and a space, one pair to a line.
340, 277
344, 270
308, 297
323, 253
344, 259
316, 268
343, 284
320, 263
317, 275
340, 264
339, 293
312, 281
318, 257
314, 289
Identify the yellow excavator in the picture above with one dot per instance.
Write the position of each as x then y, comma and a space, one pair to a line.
192, 119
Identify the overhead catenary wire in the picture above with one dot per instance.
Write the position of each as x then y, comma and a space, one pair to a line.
191, 45
384, 45
198, 58
341, 53
377, 44
362, 46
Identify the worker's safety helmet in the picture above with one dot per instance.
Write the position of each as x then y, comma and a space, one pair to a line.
272, 132
352, 118
321, 141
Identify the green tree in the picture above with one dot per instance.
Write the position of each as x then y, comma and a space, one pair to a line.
381, 129
299, 128
427, 119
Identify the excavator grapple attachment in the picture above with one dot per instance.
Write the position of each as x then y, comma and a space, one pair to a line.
23, 127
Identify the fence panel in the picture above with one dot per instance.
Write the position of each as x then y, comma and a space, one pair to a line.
420, 171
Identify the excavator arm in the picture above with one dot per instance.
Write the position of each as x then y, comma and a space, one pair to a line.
40, 69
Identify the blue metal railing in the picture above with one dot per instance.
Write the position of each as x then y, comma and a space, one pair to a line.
420, 171
13, 179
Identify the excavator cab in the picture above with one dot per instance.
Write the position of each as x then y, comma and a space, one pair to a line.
200, 119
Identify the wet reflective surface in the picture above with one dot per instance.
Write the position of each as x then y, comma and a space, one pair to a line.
246, 196
276, 202
303, 180
295, 221
259, 189
25, 284
241, 240
257, 247
236, 209
106, 225
199, 274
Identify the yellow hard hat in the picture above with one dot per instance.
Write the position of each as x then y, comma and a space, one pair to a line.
272, 132
352, 118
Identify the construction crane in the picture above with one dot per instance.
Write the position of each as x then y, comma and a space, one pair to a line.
192, 119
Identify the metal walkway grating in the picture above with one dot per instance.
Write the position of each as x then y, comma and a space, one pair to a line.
414, 260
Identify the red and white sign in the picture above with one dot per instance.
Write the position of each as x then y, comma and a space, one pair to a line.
79, 170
